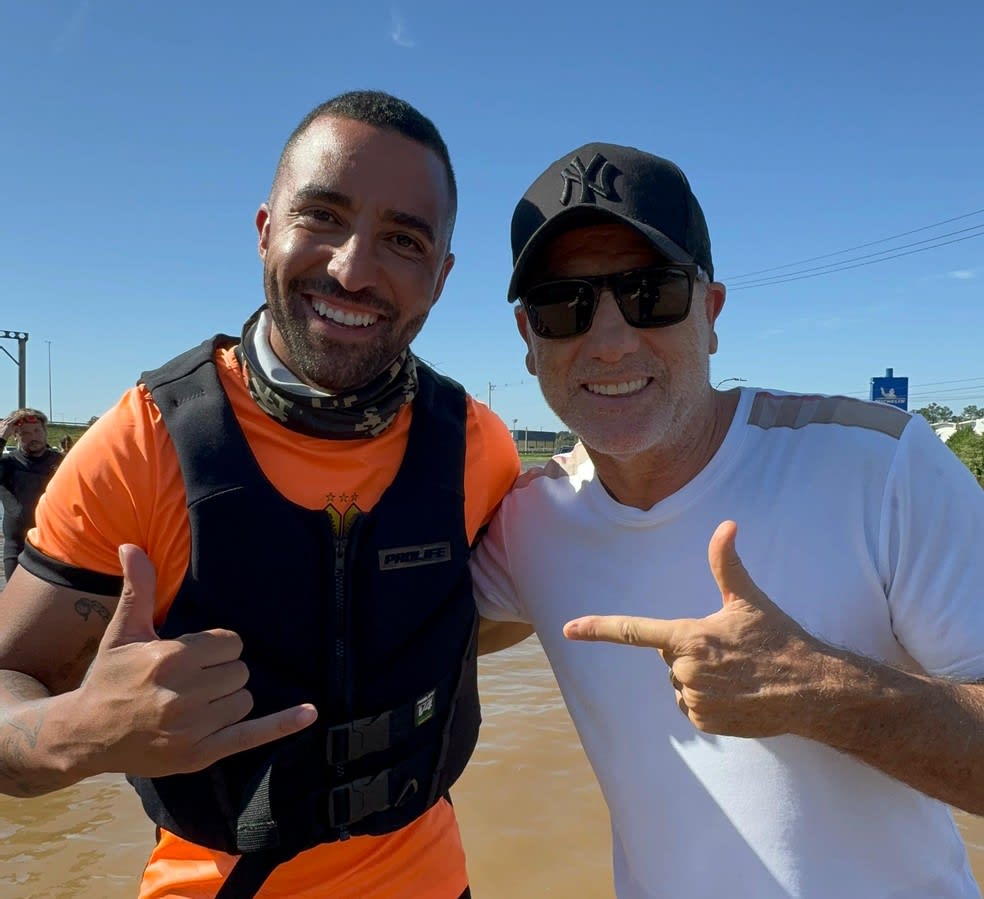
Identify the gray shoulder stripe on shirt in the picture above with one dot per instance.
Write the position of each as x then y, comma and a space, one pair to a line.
796, 411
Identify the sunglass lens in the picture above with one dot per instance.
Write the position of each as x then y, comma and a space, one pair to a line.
561, 308
654, 298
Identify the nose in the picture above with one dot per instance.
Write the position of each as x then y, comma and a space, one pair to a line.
611, 337
353, 264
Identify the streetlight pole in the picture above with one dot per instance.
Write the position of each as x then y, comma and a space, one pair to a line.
728, 380
20, 362
50, 414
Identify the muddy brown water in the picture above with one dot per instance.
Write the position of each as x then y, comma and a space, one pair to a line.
531, 815
532, 818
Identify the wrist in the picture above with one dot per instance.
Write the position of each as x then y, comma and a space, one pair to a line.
69, 751
852, 694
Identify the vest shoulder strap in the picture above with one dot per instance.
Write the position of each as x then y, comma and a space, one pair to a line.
438, 427
187, 362
211, 447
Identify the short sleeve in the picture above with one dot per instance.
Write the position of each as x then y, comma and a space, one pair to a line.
932, 545
119, 484
495, 591
491, 466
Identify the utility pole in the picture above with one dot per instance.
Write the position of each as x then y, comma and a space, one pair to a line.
491, 388
20, 362
50, 413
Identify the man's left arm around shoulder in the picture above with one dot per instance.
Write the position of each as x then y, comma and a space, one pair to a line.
749, 670
496, 635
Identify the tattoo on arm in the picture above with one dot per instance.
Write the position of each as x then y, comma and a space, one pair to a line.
85, 607
20, 687
19, 732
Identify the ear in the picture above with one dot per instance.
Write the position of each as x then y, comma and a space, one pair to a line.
263, 229
442, 276
523, 324
714, 298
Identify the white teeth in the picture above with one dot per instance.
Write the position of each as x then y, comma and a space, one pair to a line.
362, 320
617, 389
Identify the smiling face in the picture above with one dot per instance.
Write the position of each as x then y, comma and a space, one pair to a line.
354, 243
624, 390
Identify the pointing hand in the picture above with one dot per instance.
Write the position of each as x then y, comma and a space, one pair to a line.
154, 707
744, 670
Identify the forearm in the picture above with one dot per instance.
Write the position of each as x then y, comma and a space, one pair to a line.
494, 636
924, 731
38, 742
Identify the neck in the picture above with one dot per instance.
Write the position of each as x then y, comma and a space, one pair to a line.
353, 415
643, 479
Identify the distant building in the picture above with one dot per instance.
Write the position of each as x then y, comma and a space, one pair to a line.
946, 429
529, 441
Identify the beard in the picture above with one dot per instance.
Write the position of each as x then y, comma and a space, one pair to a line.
655, 422
332, 365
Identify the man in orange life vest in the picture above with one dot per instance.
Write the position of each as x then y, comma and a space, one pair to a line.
291, 713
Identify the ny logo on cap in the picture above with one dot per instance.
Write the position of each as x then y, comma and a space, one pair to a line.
597, 179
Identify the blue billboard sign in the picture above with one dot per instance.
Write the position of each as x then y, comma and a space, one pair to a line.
891, 390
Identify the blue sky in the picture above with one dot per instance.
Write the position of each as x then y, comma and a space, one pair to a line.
139, 138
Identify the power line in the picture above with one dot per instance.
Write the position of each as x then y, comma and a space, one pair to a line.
859, 246
844, 268
956, 381
975, 385
836, 265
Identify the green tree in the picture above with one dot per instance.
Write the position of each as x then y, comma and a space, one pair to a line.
934, 413
969, 449
972, 412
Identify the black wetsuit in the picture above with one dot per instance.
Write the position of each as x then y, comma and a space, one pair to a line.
22, 481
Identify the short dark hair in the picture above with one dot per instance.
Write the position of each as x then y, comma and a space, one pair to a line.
380, 110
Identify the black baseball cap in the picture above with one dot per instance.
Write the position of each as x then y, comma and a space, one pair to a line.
600, 183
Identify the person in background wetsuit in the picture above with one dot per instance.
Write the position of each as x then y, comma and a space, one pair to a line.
24, 473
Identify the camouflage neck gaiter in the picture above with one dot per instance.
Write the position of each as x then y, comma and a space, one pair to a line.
356, 415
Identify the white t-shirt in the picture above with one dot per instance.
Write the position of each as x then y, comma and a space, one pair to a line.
858, 522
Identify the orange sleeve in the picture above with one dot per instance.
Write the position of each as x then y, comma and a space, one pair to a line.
491, 465
120, 484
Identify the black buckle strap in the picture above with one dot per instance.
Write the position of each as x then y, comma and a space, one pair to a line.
350, 802
351, 740
354, 801
354, 739
250, 872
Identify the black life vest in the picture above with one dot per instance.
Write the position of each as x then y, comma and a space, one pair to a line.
376, 627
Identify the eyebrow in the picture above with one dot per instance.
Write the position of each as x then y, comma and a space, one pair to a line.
313, 192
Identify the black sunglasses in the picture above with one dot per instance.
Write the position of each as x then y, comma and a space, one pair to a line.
653, 297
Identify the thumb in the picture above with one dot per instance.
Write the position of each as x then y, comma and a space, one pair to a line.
133, 620
733, 580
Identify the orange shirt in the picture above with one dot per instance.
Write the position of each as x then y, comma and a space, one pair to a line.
121, 484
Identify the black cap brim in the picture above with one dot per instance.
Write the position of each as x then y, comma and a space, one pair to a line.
580, 216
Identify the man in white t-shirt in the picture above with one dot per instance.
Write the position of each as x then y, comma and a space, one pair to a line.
829, 679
